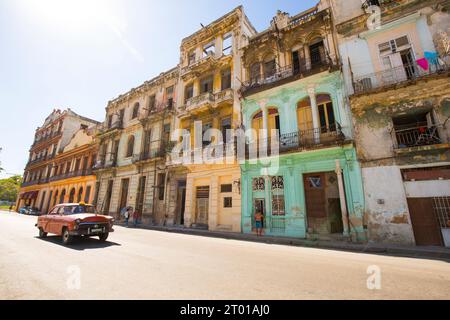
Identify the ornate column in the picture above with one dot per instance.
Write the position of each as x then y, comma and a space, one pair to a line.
315, 113
342, 198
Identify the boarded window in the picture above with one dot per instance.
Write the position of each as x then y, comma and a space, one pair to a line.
161, 185
226, 188
130, 147
226, 79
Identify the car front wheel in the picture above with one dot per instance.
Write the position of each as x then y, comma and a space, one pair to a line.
66, 237
42, 234
103, 237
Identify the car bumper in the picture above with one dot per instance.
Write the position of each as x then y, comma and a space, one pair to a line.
87, 232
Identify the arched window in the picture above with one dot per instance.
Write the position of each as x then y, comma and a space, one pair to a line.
135, 111
304, 115
326, 114
80, 194
72, 196
130, 147
62, 196
273, 122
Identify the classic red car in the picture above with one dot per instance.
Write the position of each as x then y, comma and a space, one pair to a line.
75, 220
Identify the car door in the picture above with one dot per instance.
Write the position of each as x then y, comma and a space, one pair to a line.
47, 223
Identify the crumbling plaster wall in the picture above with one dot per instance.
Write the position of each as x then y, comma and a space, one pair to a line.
372, 116
386, 214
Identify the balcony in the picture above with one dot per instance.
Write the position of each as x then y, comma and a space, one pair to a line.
150, 155
286, 74
298, 141
29, 183
224, 96
384, 4
416, 138
402, 75
159, 108
117, 125
46, 138
72, 174
203, 100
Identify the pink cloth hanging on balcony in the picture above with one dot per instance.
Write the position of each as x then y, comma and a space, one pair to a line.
423, 63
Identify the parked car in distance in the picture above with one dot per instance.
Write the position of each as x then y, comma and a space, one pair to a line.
33, 212
71, 220
24, 210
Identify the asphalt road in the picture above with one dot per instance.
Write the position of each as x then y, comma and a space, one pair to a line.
142, 264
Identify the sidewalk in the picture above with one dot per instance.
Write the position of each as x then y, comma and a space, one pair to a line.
375, 248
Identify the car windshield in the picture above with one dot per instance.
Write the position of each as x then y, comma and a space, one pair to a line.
69, 210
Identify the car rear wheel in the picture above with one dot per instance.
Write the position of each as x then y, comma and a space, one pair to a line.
103, 237
42, 234
66, 237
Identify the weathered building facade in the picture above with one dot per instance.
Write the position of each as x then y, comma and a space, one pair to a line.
293, 86
346, 119
210, 70
131, 168
396, 73
60, 164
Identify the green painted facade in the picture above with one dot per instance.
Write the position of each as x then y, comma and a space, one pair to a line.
293, 166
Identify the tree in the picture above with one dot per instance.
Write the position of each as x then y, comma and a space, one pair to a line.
9, 188
1, 169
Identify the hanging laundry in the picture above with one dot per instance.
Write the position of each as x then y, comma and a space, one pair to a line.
432, 57
423, 63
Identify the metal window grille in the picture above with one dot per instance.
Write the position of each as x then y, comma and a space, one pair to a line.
442, 209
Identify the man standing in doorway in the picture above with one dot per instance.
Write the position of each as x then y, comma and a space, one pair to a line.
259, 220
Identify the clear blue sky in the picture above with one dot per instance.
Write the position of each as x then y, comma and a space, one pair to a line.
83, 53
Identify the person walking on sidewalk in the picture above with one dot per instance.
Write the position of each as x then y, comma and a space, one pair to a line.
127, 215
136, 218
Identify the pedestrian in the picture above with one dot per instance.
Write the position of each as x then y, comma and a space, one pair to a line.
259, 220
136, 217
127, 215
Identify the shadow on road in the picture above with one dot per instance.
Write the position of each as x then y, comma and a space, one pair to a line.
80, 244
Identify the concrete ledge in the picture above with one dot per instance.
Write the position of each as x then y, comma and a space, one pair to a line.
373, 248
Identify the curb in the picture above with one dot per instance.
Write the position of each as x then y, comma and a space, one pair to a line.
414, 252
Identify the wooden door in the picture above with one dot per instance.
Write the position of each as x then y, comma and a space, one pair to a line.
315, 195
424, 222
123, 194
304, 118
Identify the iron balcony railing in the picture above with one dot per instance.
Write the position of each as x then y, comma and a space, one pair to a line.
403, 74
416, 136
297, 141
305, 17
383, 3
47, 137
152, 154
29, 183
316, 64
204, 98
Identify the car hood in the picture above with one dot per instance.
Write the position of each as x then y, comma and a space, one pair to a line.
85, 217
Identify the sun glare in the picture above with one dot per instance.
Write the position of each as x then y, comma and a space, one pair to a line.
76, 14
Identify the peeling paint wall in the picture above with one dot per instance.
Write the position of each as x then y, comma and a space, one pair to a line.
387, 211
